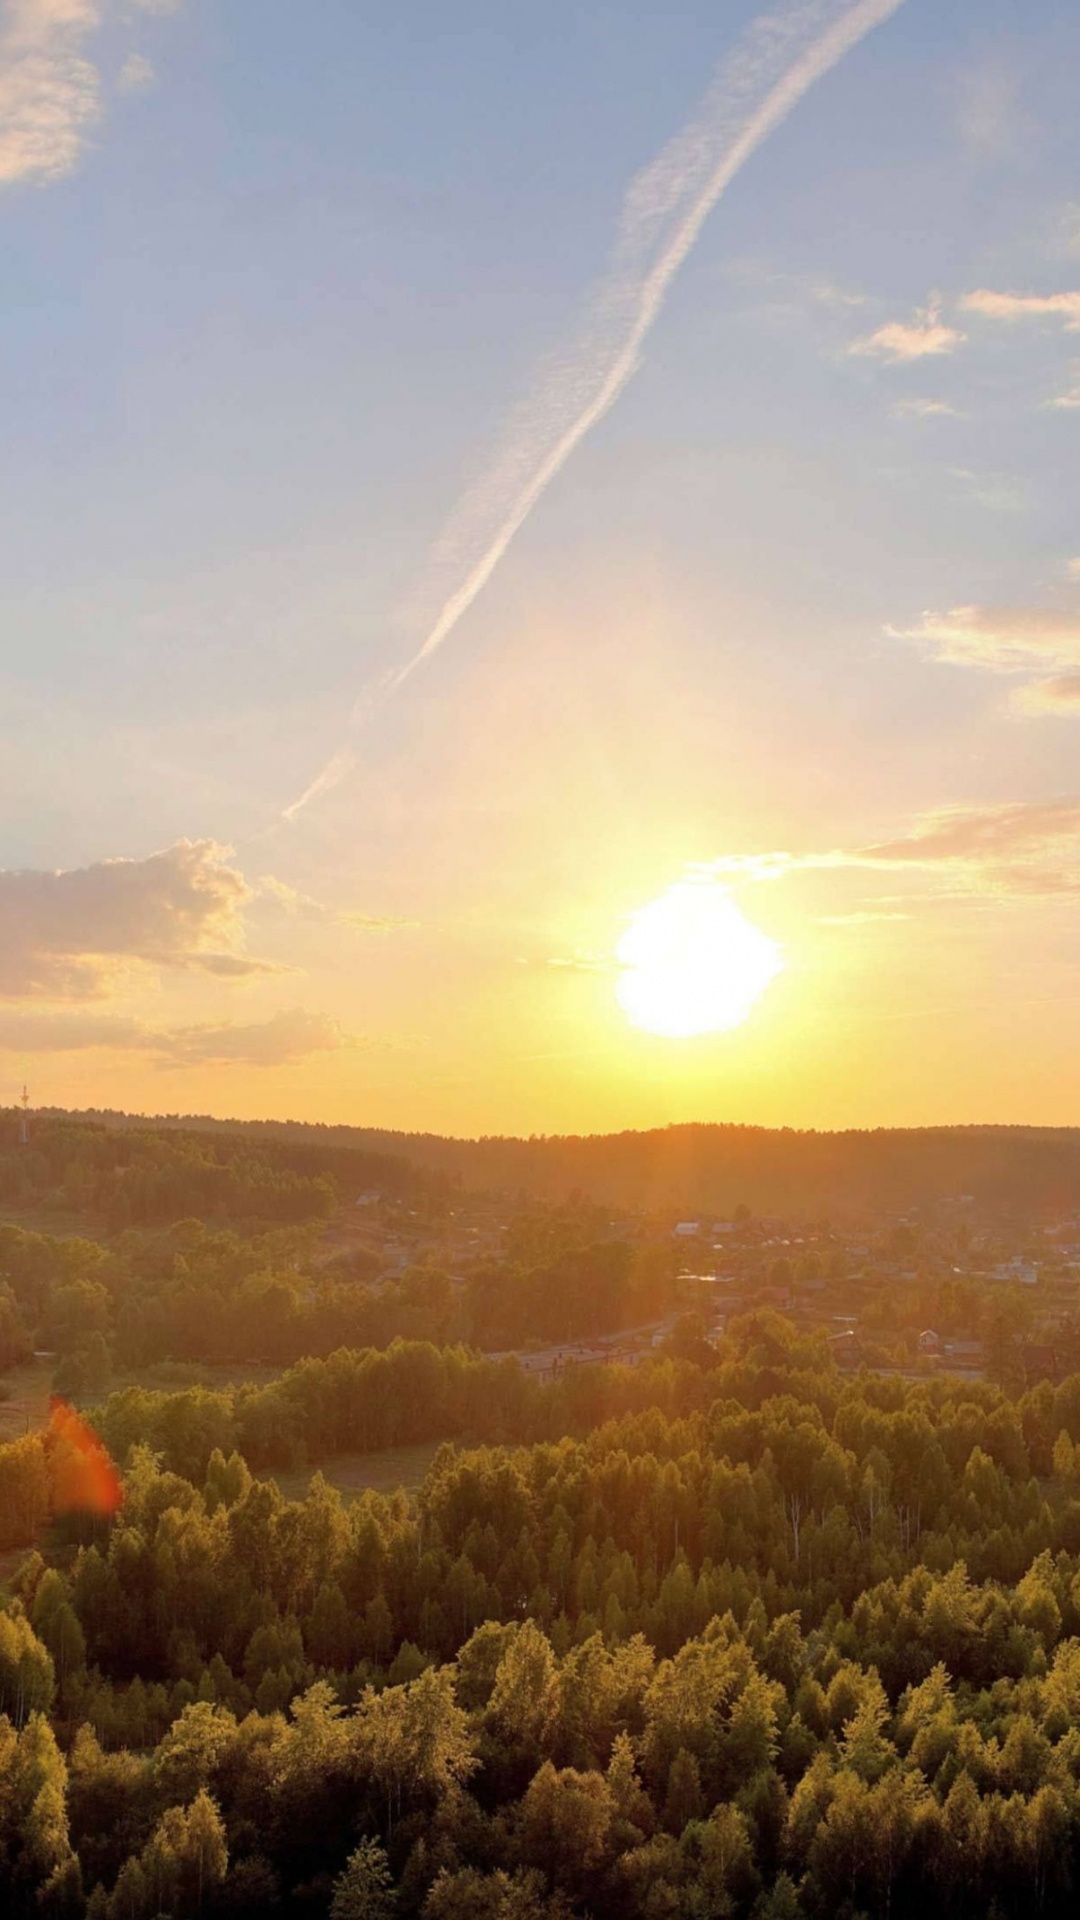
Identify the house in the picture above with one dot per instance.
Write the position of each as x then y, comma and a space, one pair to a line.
965, 1353
846, 1349
687, 1229
1041, 1362
1025, 1272
781, 1298
928, 1341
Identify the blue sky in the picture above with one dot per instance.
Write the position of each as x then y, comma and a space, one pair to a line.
265, 316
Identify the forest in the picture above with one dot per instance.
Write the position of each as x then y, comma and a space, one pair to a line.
729, 1632
774, 1170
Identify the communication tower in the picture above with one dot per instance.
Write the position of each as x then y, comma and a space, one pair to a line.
24, 1119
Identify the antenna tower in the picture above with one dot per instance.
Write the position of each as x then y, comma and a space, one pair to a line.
24, 1119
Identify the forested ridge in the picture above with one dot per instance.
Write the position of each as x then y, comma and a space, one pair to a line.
775, 1170
138, 1176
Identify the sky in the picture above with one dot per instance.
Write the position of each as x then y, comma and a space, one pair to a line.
295, 303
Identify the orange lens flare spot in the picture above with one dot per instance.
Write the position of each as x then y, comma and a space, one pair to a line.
84, 1479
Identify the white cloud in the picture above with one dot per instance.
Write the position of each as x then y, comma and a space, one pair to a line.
828, 293
66, 932
1024, 306
998, 639
1011, 640
899, 342
1072, 567
291, 1035
1070, 398
50, 90
920, 408
136, 75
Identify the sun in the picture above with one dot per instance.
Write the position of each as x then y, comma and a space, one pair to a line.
692, 963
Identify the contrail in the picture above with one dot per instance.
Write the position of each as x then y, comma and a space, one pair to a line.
774, 65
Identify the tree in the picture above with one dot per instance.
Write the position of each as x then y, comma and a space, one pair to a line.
469, 1895
683, 1801
566, 1820
365, 1890
184, 1860
27, 1675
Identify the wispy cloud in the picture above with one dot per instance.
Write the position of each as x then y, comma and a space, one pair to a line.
1012, 307
1059, 694
50, 89
998, 639
981, 836
988, 113
1067, 231
925, 337
997, 492
866, 917
1010, 640
778, 60
302, 905
136, 75
66, 932
1018, 849
921, 408
286, 1037
1070, 398
829, 293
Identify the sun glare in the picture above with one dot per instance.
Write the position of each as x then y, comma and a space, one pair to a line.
693, 963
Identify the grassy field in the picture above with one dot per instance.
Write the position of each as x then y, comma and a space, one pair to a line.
395, 1469
26, 1407
60, 1223
172, 1376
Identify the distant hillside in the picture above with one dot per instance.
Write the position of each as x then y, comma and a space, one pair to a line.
714, 1168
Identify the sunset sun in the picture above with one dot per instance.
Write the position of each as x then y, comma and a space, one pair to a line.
692, 963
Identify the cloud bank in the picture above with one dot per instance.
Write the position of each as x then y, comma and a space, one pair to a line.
285, 1038
66, 932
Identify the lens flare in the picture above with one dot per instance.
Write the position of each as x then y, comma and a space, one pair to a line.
693, 963
84, 1479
